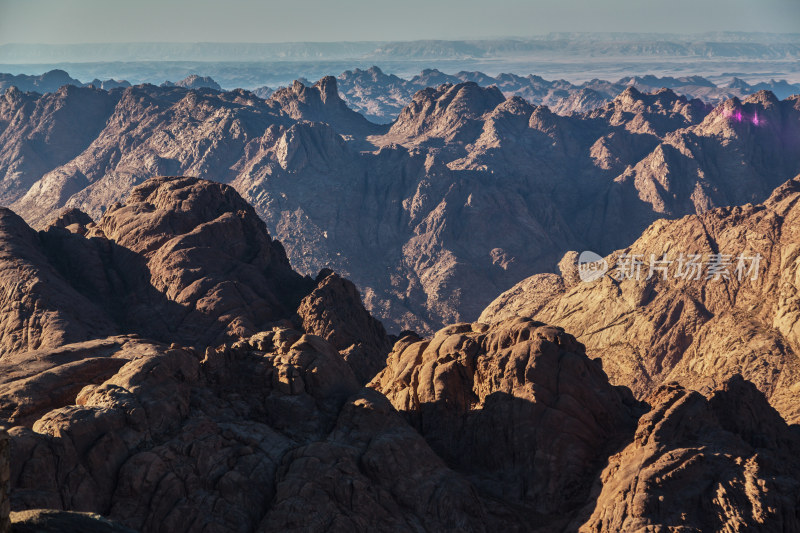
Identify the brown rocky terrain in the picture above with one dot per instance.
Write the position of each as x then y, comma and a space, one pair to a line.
402, 209
517, 407
184, 260
698, 332
39, 307
5, 479
180, 376
725, 462
333, 311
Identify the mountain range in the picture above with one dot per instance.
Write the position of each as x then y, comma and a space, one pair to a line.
466, 188
380, 97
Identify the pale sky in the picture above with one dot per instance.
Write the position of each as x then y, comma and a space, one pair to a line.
93, 21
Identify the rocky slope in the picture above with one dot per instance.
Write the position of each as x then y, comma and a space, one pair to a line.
333, 310
206, 386
5, 478
696, 331
402, 209
183, 259
725, 462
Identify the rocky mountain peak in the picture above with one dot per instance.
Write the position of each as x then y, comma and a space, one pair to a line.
12, 94
471, 99
716, 443
195, 81
449, 111
543, 119
630, 94
328, 90
760, 114
297, 87
633, 100
72, 217
656, 113
203, 200
324, 91
694, 337
764, 97
322, 103
786, 193
515, 106
334, 311
738, 83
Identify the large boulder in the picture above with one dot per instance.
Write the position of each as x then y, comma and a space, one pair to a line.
333, 310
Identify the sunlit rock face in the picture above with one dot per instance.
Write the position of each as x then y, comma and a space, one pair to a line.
697, 330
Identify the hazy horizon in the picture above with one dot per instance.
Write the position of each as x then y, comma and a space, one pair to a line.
246, 44
241, 21
712, 36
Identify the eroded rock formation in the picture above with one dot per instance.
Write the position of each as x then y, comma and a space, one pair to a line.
517, 407
722, 463
690, 329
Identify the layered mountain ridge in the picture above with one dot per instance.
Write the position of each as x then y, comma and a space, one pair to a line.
380, 97
409, 211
